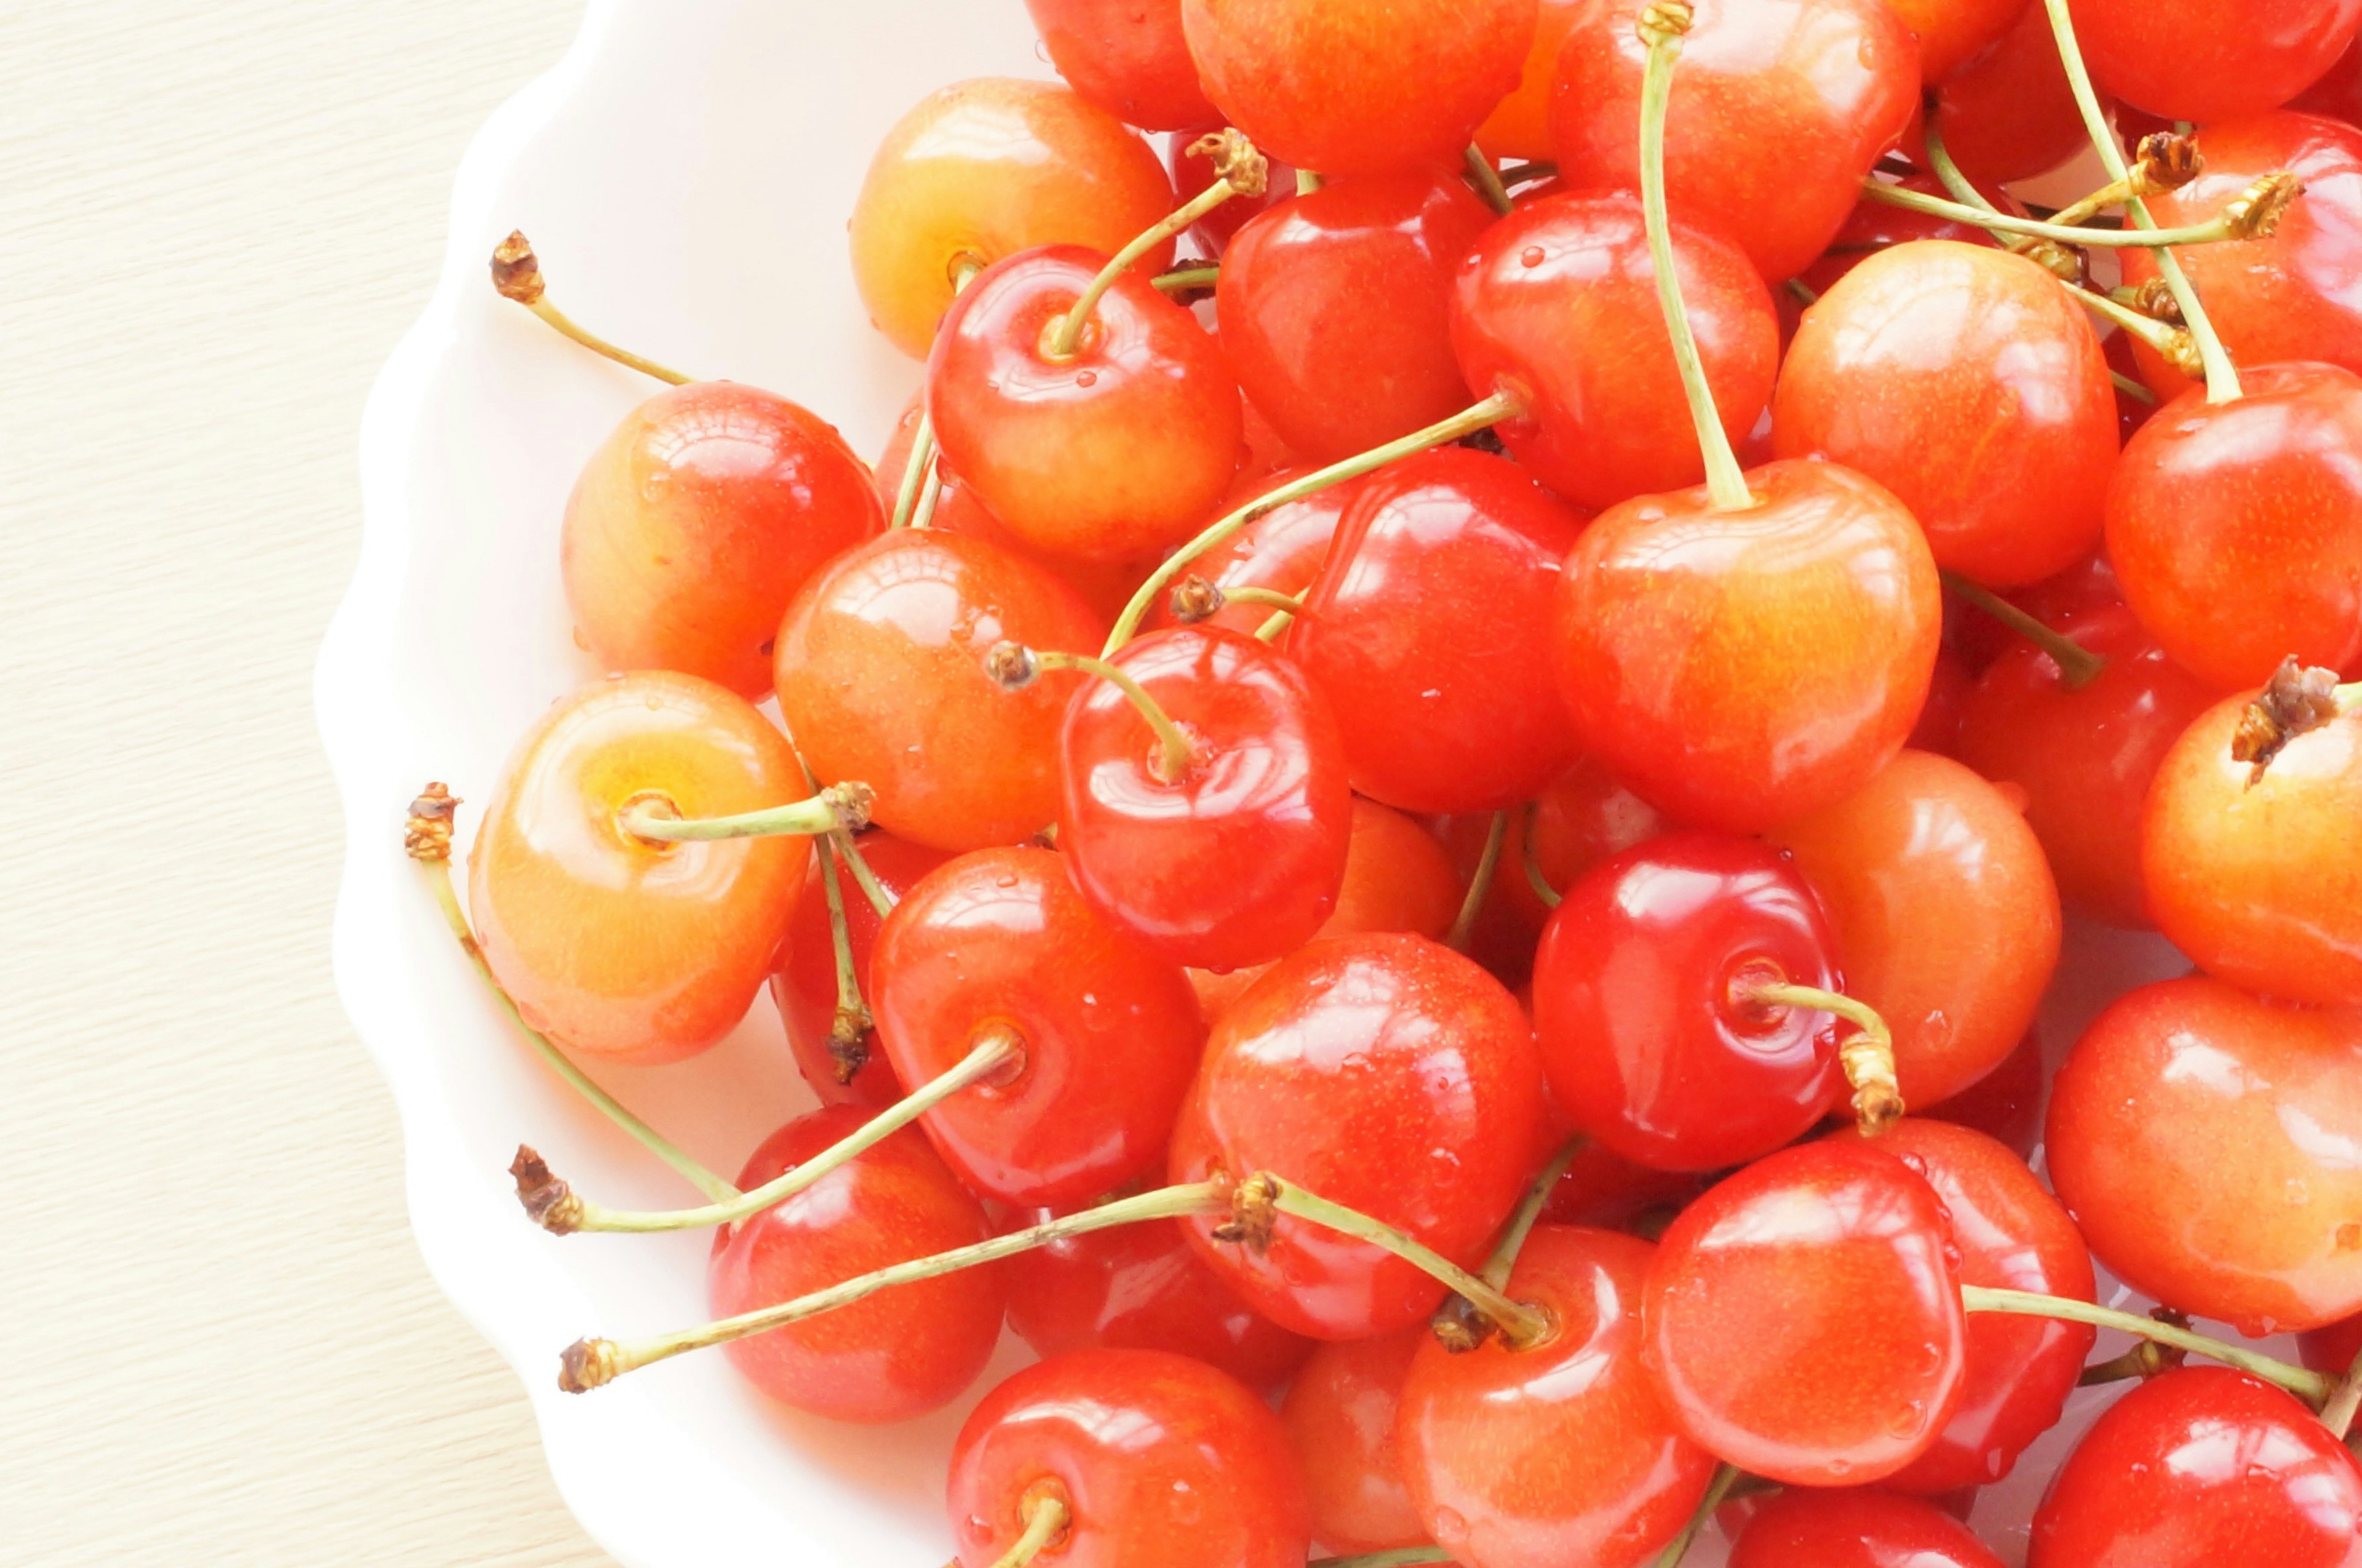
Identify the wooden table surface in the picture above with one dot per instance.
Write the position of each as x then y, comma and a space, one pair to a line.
216, 217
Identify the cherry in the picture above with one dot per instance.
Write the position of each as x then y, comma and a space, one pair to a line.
1938, 729
1143, 1287
695, 523
2011, 1235
1871, 227
2235, 526
2199, 1136
2331, 1349
1944, 911
2246, 873
1520, 125
2191, 60
1856, 1527
1856, 1371
897, 1356
1384, 1072
2059, 602
1126, 56
1226, 849
881, 678
1340, 1415
1107, 1032
1335, 309
2005, 1104
2201, 1467
1602, 1188
983, 169
1359, 86
1555, 305
1967, 381
1134, 1458
1281, 550
1789, 103
2010, 113
1560, 1451
804, 983
1194, 170
1953, 34
618, 945
2338, 95
1428, 633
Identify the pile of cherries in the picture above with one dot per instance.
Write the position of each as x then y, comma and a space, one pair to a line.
1345, 810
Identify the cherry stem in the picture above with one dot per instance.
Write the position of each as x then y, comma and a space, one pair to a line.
1045, 1515
1948, 174
1195, 598
2146, 1360
2221, 376
2132, 389
1488, 181
2174, 343
1518, 174
1467, 422
516, 273
1015, 666
1520, 1325
1532, 858
1189, 279
1480, 887
1271, 630
1717, 1491
2078, 665
654, 818
1307, 182
2338, 1414
2248, 215
1504, 1260
2166, 161
2297, 700
1661, 27
428, 840
848, 1031
1802, 291
1241, 172
1868, 1055
2314, 1388
916, 473
1400, 1557
849, 850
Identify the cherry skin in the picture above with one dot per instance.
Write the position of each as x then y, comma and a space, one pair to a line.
2331, 1349
1359, 86
1281, 550
1117, 448
1382, 1072
901, 1352
1954, 33
2061, 602
804, 983
695, 524
1336, 309
2084, 756
1127, 56
1738, 670
1780, 110
881, 677
987, 168
616, 946
2010, 113
2188, 60
1603, 1189
1341, 1414
1557, 306
1194, 171
1856, 1528
2236, 527
2197, 1135
1238, 859
2338, 95
2012, 1235
1560, 1452
2248, 878
2201, 1467
1650, 1041
2004, 1105
1870, 229
1109, 1031
1967, 381
1158, 1460
1520, 127
1938, 729
1428, 633
1857, 1372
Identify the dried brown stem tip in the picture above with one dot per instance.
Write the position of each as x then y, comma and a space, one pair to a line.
852, 800
2257, 211
2065, 262
588, 1364
849, 1042
2167, 160
1236, 161
1255, 1212
2154, 298
1459, 1327
2297, 702
1665, 18
1194, 598
426, 835
517, 270
1877, 1097
547, 1199
1012, 665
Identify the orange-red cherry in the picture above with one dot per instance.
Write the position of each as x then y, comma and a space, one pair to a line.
1126, 56
1856, 1526
2192, 59
1340, 1415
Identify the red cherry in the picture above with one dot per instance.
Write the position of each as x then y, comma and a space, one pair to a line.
1560, 1452
1871, 228
1236, 859
1604, 1189
1155, 1458
1110, 1034
1782, 107
2005, 1104
1428, 633
1558, 306
804, 983
1384, 1072
1281, 550
1359, 86
2198, 1136
897, 1356
1126, 56
2191, 60
1854, 1372
1195, 170
1740, 668
2337, 95
1938, 729
1856, 1527
881, 678
1339, 1416
2010, 113
2236, 527
1122, 446
1954, 33
2331, 1349
2059, 602
1335, 309
2202, 1468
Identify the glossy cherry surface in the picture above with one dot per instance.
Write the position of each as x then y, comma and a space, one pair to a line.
1158, 1460
1560, 1452
1856, 1528
1281, 550
2190, 59
1109, 1031
1520, 125
1603, 1189
2006, 1103
804, 983
2201, 1137
1428, 633
2010, 113
901, 1352
1341, 1416
1954, 33
615, 946
1126, 56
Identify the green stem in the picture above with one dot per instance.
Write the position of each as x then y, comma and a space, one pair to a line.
1948, 174
849, 1028
1306, 181
2225, 226
2314, 1388
1044, 1518
1065, 334
1480, 887
1717, 1493
1487, 180
1400, 1557
1867, 1054
2166, 338
1183, 279
1503, 1260
2078, 665
1520, 1325
821, 813
2137, 390
2338, 1414
848, 849
1173, 761
598, 344
916, 471
1270, 631
1532, 858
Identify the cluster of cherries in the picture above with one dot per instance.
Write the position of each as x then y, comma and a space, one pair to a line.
1368, 843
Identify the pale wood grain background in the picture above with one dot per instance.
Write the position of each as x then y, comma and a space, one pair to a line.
217, 1344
